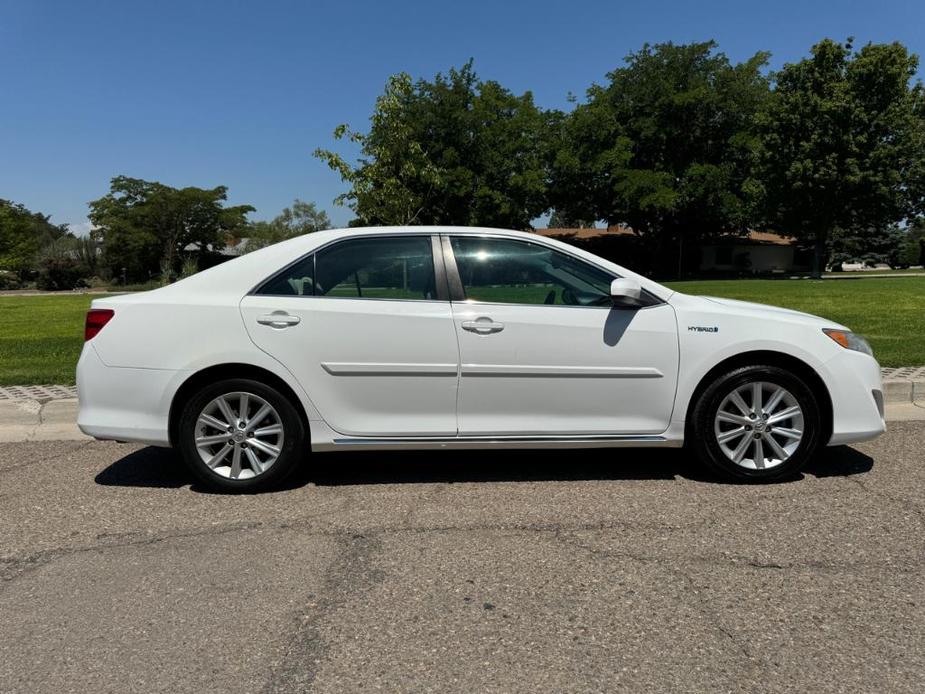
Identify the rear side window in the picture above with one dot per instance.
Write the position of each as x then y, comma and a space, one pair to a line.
296, 280
374, 268
377, 268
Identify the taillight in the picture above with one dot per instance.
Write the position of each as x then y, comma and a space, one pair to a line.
96, 319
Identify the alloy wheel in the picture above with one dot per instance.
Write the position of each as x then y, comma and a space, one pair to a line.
759, 425
239, 435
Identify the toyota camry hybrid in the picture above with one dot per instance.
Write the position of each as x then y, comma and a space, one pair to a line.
444, 337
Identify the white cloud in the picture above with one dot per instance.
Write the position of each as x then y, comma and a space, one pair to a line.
80, 229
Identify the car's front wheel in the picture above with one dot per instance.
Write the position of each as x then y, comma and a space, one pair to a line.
240, 435
756, 423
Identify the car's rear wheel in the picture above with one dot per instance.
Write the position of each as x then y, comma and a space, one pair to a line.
756, 423
240, 435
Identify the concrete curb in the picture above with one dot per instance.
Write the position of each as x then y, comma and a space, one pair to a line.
905, 384
33, 420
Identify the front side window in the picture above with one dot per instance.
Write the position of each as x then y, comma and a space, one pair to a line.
516, 272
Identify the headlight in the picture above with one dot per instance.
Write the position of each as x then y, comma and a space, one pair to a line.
849, 340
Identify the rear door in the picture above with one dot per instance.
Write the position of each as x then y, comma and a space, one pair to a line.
542, 350
364, 324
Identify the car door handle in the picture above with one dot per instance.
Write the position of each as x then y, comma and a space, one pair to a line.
278, 319
482, 326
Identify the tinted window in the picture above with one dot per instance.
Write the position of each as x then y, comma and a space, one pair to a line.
377, 268
516, 272
297, 280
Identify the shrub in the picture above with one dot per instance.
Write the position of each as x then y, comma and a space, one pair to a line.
60, 272
189, 267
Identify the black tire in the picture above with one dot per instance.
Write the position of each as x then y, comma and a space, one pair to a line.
291, 454
702, 438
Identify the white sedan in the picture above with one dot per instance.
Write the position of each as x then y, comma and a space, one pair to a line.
443, 337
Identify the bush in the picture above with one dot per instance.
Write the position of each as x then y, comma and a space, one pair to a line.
189, 267
95, 281
60, 272
9, 280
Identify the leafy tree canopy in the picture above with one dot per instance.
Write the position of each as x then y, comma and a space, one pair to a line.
144, 225
843, 143
665, 146
302, 218
455, 150
22, 234
868, 246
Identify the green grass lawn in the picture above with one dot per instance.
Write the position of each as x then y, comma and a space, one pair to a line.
41, 336
889, 312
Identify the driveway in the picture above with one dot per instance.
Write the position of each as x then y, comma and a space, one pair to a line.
579, 571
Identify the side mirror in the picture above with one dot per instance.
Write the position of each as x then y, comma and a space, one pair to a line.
625, 292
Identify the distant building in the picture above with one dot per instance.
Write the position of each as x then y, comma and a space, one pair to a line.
232, 248
758, 252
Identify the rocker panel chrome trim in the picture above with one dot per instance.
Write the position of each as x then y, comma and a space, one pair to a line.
504, 442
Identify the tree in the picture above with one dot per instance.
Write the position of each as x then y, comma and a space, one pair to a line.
59, 267
868, 246
144, 225
301, 218
664, 147
456, 150
23, 234
843, 143
912, 251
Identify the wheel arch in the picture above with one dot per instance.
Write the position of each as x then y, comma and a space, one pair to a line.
220, 372
770, 358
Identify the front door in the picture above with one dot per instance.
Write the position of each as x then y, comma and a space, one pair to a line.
543, 352
367, 330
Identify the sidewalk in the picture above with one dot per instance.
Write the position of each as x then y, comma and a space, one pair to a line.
49, 413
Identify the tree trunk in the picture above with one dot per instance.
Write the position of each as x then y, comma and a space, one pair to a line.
819, 254
681, 256
169, 251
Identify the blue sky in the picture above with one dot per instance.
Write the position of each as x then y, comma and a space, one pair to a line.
240, 93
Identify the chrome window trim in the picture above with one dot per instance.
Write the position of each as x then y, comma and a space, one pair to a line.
474, 302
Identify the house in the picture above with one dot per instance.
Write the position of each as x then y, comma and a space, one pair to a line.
758, 252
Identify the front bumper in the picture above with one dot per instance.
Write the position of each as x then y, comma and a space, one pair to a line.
124, 404
856, 388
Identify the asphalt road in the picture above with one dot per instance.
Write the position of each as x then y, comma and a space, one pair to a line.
584, 571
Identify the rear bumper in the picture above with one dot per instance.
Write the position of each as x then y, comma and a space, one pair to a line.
124, 404
856, 388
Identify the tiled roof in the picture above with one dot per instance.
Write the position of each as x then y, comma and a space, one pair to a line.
759, 237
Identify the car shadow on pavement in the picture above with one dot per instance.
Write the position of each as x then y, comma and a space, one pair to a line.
160, 467
146, 467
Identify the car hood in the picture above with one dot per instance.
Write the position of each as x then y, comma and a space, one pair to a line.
773, 311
